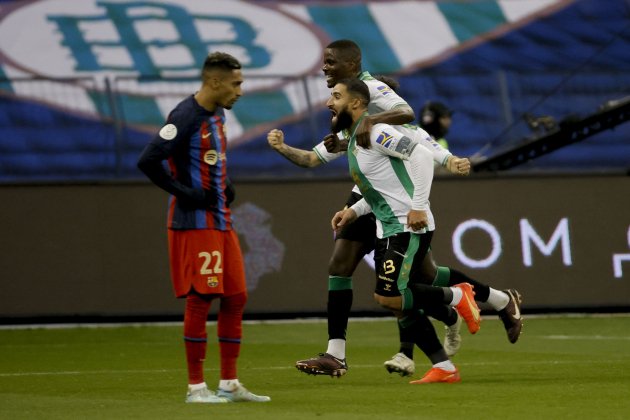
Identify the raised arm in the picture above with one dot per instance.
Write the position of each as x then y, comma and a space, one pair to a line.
401, 114
300, 157
458, 166
453, 164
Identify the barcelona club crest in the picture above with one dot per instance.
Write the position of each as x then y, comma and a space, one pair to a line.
213, 281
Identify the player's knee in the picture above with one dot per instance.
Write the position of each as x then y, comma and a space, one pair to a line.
234, 302
428, 270
345, 258
340, 267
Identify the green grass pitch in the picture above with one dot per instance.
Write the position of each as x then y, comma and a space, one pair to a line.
563, 367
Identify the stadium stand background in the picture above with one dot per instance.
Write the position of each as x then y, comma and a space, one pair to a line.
563, 64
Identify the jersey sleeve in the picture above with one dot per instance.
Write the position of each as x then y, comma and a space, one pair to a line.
440, 154
382, 97
387, 140
160, 149
324, 155
421, 168
361, 207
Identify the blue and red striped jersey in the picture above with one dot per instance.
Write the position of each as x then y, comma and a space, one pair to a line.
187, 158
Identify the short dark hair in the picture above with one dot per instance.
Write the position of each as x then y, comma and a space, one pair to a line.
349, 49
222, 61
357, 88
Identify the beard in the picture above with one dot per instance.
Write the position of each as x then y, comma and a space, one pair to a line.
342, 121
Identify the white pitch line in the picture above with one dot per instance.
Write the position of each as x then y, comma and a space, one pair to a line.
92, 372
585, 337
378, 366
286, 321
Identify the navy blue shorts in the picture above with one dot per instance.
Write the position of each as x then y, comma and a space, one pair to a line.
361, 230
398, 261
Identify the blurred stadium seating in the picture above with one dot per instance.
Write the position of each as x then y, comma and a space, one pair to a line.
564, 65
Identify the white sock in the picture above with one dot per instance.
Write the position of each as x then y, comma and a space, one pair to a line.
229, 384
457, 295
446, 365
197, 387
337, 348
498, 299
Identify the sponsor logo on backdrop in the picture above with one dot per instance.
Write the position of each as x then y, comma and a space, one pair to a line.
533, 245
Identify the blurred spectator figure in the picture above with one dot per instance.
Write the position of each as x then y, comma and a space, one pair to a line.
435, 119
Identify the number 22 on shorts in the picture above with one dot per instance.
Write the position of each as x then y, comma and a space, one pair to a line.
211, 266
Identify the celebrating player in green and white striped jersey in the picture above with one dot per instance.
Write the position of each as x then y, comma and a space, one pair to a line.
342, 59
394, 176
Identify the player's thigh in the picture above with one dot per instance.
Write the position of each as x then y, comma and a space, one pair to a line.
345, 257
196, 259
399, 259
427, 270
234, 267
351, 245
389, 258
423, 269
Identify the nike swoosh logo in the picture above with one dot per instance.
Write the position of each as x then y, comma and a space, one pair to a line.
205, 136
473, 308
402, 255
517, 311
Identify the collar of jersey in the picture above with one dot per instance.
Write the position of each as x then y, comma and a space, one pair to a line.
354, 129
364, 75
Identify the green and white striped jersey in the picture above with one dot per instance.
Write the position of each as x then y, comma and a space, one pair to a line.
383, 98
394, 176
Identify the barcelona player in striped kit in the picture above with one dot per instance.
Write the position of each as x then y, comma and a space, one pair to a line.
204, 253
